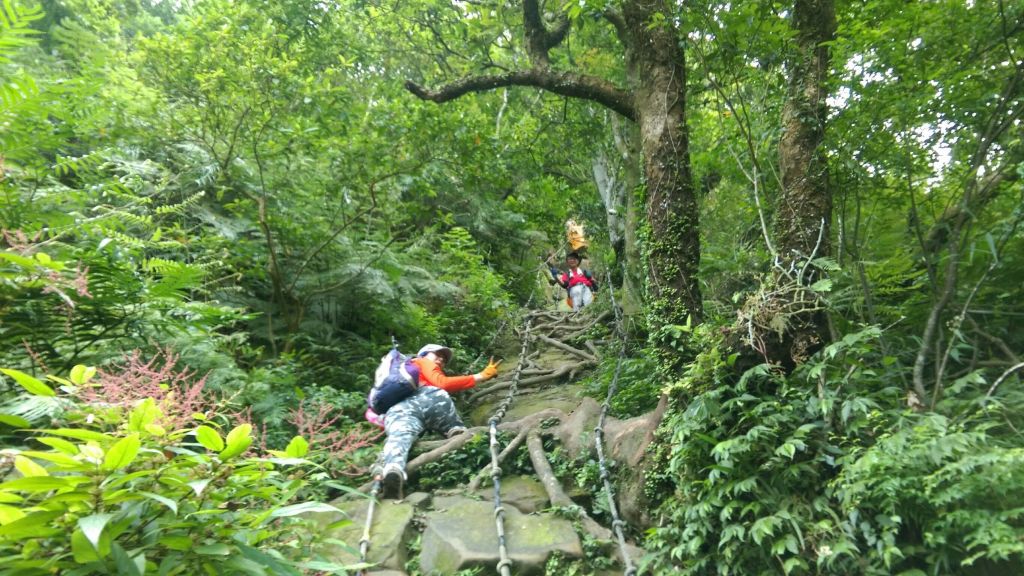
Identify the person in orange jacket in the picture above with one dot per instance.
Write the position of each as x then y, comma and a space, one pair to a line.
430, 407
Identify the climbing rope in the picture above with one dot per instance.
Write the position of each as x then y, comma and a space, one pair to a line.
617, 523
364, 542
504, 563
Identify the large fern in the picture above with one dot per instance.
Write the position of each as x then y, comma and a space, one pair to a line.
15, 31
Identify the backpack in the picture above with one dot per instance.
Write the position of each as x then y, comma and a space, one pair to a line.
397, 377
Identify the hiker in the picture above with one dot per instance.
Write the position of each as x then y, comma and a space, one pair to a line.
578, 282
429, 408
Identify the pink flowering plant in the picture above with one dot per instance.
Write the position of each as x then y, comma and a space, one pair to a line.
135, 488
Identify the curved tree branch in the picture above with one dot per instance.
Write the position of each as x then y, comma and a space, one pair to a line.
558, 82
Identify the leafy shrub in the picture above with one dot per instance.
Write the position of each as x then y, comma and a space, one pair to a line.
825, 471
121, 492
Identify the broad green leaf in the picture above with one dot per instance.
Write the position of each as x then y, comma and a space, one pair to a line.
19, 260
143, 415
59, 444
218, 549
303, 508
298, 447
33, 385
262, 557
199, 485
209, 438
122, 453
32, 525
9, 514
82, 550
78, 434
60, 458
92, 527
29, 523
162, 499
81, 374
126, 565
41, 483
176, 542
238, 441
28, 467
14, 421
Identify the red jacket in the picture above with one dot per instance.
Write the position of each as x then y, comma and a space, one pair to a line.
432, 375
577, 276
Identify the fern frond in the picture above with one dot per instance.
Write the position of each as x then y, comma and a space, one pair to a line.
77, 164
17, 89
180, 207
14, 27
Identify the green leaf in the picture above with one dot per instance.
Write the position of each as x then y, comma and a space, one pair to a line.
32, 525
302, 508
41, 483
209, 438
122, 453
297, 448
176, 542
81, 374
143, 416
59, 444
33, 385
9, 514
238, 441
276, 566
126, 564
14, 421
218, 549
823, 285
199, 485
163, 500
92, 527
82, 550
78, 434
787, 449
29, 468
59, 458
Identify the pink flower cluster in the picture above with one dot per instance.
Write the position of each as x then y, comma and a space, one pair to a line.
176, 391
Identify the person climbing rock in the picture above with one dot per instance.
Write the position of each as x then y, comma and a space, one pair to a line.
429, 408
579, 282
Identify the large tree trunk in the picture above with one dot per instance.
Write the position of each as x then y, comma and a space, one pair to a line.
804, 211
656, 62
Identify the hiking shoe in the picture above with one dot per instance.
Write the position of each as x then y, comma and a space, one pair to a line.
454, 431
392, 482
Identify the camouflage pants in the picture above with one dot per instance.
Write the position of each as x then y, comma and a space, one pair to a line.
430, 408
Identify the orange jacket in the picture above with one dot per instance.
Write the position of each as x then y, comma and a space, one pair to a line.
432, 375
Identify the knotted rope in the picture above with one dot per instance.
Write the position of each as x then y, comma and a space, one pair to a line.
504, 564
617, 524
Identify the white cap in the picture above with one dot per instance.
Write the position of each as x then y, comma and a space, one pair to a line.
442, 351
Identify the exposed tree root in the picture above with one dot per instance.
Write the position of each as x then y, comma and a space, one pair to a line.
567, 348
558, 497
